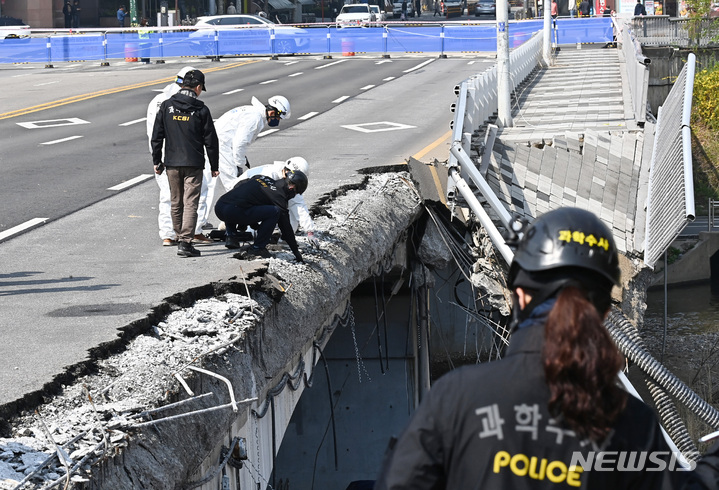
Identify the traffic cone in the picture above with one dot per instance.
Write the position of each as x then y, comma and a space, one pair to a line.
130, 52
347, 47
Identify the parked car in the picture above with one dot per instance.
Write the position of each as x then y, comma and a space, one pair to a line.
488, 7
288, 39
11, 28
397, 9
355, 15
380, 15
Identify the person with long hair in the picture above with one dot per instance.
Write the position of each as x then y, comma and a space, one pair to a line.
551, 412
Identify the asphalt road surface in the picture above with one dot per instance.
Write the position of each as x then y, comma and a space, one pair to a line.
90, 136
73, 132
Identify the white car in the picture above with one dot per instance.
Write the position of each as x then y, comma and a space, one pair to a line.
14, 31
356, 15
288, 39
380, 16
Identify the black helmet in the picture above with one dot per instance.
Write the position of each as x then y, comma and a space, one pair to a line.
299, 179
567, 238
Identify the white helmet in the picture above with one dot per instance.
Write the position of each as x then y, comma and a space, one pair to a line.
281, 104
298, 163
181, 74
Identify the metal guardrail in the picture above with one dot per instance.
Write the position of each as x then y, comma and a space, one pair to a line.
670, 201
477, 97
477, 100
637, 69
663, 30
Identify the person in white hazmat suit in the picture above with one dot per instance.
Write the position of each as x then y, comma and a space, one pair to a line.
239, 127
164, 220
299, 214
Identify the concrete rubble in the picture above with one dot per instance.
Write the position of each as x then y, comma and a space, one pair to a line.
93, 427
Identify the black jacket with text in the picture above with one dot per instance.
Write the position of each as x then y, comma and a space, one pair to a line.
488, 427
184, 124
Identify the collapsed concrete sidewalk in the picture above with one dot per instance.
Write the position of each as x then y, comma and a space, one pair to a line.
98, 416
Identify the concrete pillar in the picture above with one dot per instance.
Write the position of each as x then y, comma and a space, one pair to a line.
547, 32
504, 105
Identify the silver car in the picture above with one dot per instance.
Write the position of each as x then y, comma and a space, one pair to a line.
288, 39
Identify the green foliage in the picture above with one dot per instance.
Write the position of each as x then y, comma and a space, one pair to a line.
673, 255
701, 24
706, 98
705, 137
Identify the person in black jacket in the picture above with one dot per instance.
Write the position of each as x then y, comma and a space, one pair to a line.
184, 124
585, 8
67, 12
541, 417
639, 9
261, 199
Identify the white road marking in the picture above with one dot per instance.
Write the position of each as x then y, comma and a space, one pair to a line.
53, 123
383, 61
63, 140
418, 66
308, 115
268, 132
131, 182
295, 74
381, 126
367, 87
341, 99
291, 63
329, 64
388, 79
233, 91
22, 227
130, 123
46, 83
267, 81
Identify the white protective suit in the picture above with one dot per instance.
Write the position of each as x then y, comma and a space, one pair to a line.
207, 191
236, 130
299, 214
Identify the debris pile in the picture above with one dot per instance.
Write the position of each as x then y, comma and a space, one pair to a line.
101, 415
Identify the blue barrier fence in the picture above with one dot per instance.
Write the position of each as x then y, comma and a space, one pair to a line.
102, 45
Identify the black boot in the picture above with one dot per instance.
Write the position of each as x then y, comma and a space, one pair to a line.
185, 249
232, 242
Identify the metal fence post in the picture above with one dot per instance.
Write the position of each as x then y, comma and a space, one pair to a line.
272, 44
384, 36
441, 37
217, 46
49, 53
710, 221
104, 50
160, 41
328, 56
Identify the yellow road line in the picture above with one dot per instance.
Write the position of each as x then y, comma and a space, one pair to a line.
100, 93
432, 168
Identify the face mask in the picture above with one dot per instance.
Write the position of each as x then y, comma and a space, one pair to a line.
273, 122
292, 193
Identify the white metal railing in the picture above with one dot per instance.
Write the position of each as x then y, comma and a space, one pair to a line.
477, 97
665, 31
670, 200
477, 100
637, 69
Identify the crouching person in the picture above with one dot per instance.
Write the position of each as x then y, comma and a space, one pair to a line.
261, 201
